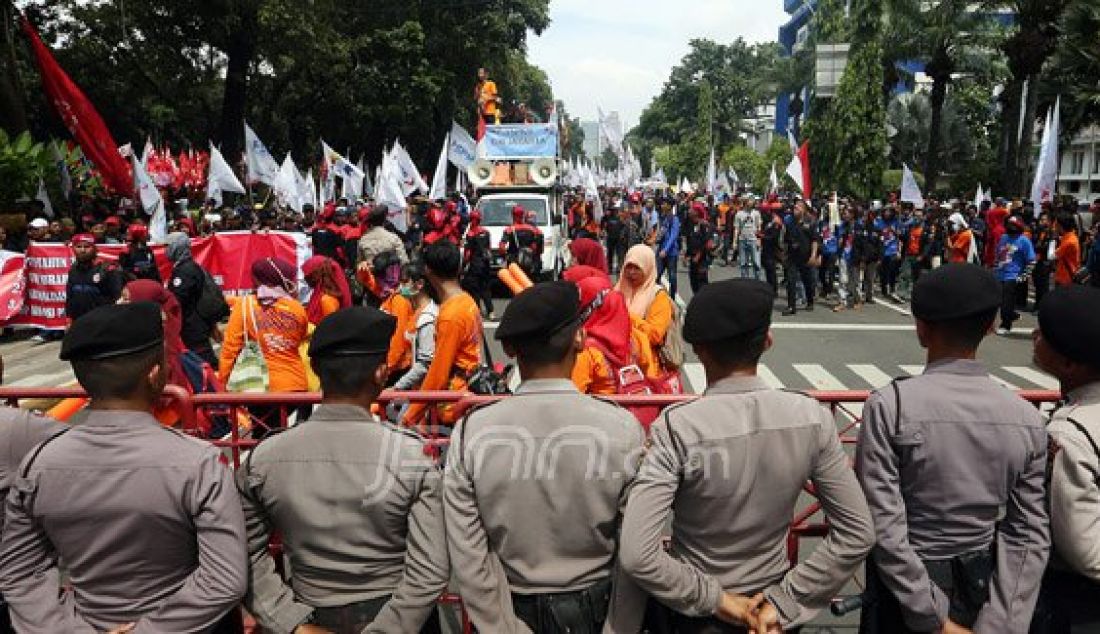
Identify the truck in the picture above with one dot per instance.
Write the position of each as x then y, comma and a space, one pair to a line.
519, 166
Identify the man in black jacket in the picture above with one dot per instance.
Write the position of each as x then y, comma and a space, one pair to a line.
91, 283
801, 249
186, 283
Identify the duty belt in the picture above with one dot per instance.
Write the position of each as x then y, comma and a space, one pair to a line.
577, 612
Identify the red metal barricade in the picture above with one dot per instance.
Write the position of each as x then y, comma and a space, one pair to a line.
846, 407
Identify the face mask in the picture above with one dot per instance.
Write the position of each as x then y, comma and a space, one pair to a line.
408, 292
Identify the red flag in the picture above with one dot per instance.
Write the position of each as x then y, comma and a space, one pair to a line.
807, 182
480, 128
80, 117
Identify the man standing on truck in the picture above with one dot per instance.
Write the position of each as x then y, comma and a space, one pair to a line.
488, 101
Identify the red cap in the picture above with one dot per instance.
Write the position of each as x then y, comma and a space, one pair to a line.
518, 213
635, 197
113, 220
83, 238
136, 232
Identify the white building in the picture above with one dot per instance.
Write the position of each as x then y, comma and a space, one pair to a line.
1079, 173
591, 138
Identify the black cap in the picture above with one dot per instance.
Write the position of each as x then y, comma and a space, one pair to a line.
114, 330
733, 308
1067, 319
541, 312
955, 291
359, 330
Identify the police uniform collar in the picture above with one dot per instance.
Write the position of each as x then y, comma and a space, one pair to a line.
967, 367
118, 418
544, 386
340, 412
1087, 394
737, 385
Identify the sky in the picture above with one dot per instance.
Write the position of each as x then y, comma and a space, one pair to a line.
617, 54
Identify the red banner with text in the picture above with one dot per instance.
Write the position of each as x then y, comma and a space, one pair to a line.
32, 288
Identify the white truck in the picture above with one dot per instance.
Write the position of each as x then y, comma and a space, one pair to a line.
520, 167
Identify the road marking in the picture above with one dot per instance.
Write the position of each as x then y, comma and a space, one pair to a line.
874, 377
912, 370
843, 327
997, 379
891, 306
818, 376
769, 377
697, 378
514, 379
1041, 379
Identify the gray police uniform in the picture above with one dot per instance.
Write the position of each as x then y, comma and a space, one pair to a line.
1071, 587
359, 505
533, 491
20, 431
146, 521
730, 467
953, 466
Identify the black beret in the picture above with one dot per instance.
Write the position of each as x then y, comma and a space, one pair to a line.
723, 310
541, 312
1069, 318
955, 291
359, 330
114, 330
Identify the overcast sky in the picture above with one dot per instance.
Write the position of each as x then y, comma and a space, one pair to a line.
617, 54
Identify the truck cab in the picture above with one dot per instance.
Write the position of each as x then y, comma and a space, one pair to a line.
496, 214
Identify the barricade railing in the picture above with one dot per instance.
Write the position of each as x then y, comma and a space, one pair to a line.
845, 406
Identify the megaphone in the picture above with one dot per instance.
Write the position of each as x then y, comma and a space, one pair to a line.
480, 173
544, 172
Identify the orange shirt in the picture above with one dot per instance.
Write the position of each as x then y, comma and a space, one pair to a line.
1067, 259
487, 97
329, 305
280, 329
658, 319
457, 352
958, 246
592, 374
399, 357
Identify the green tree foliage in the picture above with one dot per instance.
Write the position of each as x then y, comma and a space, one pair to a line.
360, 73
22, 163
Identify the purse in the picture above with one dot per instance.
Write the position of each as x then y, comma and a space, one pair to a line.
250, 373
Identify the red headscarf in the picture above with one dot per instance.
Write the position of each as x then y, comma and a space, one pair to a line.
150, 291
588, 252
332, 283
609, 325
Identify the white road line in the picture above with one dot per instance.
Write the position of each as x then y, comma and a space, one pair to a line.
874, 377
514, 380
912, 370
1041, 379
57, 379
1003, 382
891, 306
843, 327
769, 377
818, 376
696, 377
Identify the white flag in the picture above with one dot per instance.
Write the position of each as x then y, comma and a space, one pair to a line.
979, 197
462, 150
439, 178
368, 184
684, 184
308, 189
220, 177
151, 202
262, 167
147, 152
734, 178
712, 174
62, 169
910, 191
794, 170
346, 170
44, 197
1046, 172
773, 179
409, 174
390, 193
286, 185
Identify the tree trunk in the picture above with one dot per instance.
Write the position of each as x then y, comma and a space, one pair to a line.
1008, 167
240, 49
1025, 151
932, 156
12, 113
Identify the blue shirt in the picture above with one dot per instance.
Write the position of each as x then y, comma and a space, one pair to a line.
829, 243
890, 241
670, 236
1014, 254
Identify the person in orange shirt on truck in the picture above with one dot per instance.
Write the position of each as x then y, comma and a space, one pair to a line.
458, 331
1067, 257
488, 101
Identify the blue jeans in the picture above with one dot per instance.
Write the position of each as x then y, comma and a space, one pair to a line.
667, 263
748, 257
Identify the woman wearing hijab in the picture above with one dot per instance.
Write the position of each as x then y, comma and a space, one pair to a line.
611, 343
330, 288
651, 307
172, 315
588, 252
275, 320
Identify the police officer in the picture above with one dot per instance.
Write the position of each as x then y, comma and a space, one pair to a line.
1067, 345
753, 448
145, 519
20, 432
952, 465
535, 483
357, 501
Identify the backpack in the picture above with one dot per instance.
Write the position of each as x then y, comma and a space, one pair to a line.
211, 305
672, 350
